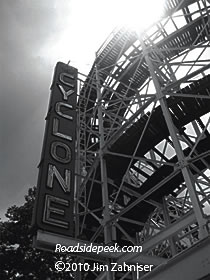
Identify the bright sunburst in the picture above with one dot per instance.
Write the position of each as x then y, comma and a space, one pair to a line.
88, 23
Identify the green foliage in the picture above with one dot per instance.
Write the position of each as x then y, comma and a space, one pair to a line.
18, 259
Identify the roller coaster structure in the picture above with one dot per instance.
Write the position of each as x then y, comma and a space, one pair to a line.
143, 145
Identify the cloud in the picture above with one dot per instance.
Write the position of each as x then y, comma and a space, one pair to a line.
26, 28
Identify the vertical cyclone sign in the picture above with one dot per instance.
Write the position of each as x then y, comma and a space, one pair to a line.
55, 188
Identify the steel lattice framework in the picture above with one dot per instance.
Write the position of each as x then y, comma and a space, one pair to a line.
143, 164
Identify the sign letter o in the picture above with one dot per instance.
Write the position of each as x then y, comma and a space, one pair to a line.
68, 153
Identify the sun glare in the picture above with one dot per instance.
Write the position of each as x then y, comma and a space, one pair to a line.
90, 22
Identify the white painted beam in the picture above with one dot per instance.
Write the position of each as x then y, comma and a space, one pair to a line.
192, 264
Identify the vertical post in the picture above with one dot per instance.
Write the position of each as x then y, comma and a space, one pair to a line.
105, 195
78, 178
167, 222
180, 155
78, 274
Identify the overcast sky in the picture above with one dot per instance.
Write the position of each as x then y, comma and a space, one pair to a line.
34, 35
